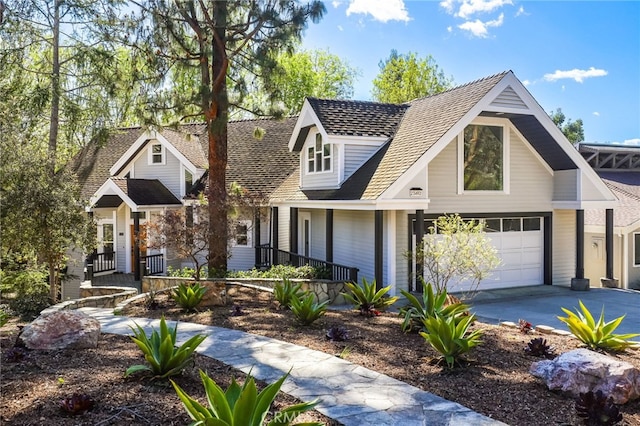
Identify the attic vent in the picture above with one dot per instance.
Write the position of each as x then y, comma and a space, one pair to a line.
509, 99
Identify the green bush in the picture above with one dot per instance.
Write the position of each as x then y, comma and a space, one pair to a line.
432, 304
597, 335
185, 272
367, 299
4, 317
451, 338
160, 351
28, 289
306, 310
285, 291
188, 295
240, 406
283, 271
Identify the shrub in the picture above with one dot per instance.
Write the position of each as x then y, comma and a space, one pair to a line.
186, 272
188, 296
597, 409
160, 351
239, 406
367, 299
539, 347
30, 291
306, 310
285, 291
284, 271
597, 335
4, 317
451, 338
432, 304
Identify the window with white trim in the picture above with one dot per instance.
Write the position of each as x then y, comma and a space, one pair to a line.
156, 154
319, 156
242, 234
636, 249
483, 149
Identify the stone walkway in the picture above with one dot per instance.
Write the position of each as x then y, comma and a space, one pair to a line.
348, 393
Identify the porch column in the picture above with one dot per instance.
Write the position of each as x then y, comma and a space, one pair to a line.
548, 250
256, 235
136, 246
378, 248
329, 236
418, 249
293, 230
274, 235
580, 282
609, 242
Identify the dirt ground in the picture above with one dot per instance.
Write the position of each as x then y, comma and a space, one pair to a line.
496, 381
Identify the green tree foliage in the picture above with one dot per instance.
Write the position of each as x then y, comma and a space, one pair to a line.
404, 77
573, 130
223, 43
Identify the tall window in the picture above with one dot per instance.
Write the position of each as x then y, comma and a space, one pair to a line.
242, 234
107, 240
157, 154
319, 156
188, 181
483, 158
636, 249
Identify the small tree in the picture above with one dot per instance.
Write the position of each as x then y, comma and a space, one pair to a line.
457, 249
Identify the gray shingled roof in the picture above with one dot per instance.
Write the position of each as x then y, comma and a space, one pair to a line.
626, 186
357, 118
146, 192
424, 122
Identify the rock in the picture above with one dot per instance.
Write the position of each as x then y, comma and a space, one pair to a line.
215, 295
61, 330
582, 370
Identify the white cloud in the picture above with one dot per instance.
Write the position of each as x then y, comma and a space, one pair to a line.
380, 10
479, 28
521, 11
449, 29
336, 3
575, 74
468, 8
596, 113
635, 141
340, 28
526, 82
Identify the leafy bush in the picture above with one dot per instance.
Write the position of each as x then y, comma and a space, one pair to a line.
306, 310
367, 299
285, 291
283, 271
451, 338
597, 334
539, 347
30, 291
4, 317
240, 406
186, 272
188, 295
432, 304
597, 409
160, 351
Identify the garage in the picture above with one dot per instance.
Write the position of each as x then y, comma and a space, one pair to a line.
519, 242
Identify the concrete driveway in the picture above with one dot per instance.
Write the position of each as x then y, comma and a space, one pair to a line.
540, 305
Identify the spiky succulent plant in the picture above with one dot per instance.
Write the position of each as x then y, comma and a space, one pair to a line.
539, 347
524, 326
597, 409
337, 333
76, 403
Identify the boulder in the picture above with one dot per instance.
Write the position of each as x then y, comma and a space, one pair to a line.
581, 370
216, 294
61, 330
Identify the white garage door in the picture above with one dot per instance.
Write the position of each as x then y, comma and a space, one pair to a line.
520, 246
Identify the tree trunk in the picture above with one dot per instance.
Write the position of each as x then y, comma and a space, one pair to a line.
55, 88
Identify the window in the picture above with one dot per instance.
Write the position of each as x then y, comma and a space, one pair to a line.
511, 225
157, 154
107, 240
483, 158
636, 249
188, 181
242, 234
531, 224
319, 156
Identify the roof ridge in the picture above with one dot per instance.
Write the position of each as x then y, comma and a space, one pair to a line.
476, 81
356, 101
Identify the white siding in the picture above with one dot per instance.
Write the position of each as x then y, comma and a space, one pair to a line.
353, 242
564, 247
633, 278
589, 190
531, 185
356, 156
318, 234
75, 265
565, 185
418, 181
169, 173
242, 258
121, 239
283, 228
321, 179
509, 99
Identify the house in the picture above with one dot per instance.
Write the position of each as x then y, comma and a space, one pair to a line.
372, 176
139, 173
619, 167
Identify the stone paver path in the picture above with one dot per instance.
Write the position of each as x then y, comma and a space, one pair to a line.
348, 393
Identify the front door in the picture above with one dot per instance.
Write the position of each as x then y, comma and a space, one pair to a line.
143, 244
304, 240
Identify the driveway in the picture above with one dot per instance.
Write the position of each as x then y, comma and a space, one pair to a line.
540, 305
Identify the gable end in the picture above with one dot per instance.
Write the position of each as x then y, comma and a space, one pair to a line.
509, 99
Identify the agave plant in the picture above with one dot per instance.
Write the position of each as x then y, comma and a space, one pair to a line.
367, 299
431, 304
306, 310
188, 296
451, 337
539, 347
337, 333
240, 405
596, 409
160, 351
285, 291
76, 404
597, 335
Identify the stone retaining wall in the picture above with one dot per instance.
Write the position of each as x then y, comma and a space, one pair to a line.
95, 297
322, 289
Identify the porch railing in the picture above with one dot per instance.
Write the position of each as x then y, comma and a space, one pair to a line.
154, 264
267, 256
102, 262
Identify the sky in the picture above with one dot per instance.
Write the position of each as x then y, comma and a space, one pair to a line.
580, 56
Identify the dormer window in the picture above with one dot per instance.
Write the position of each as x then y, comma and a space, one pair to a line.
483, 154
319, 156
156, 154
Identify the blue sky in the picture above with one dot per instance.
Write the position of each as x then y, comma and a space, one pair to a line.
581, 56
